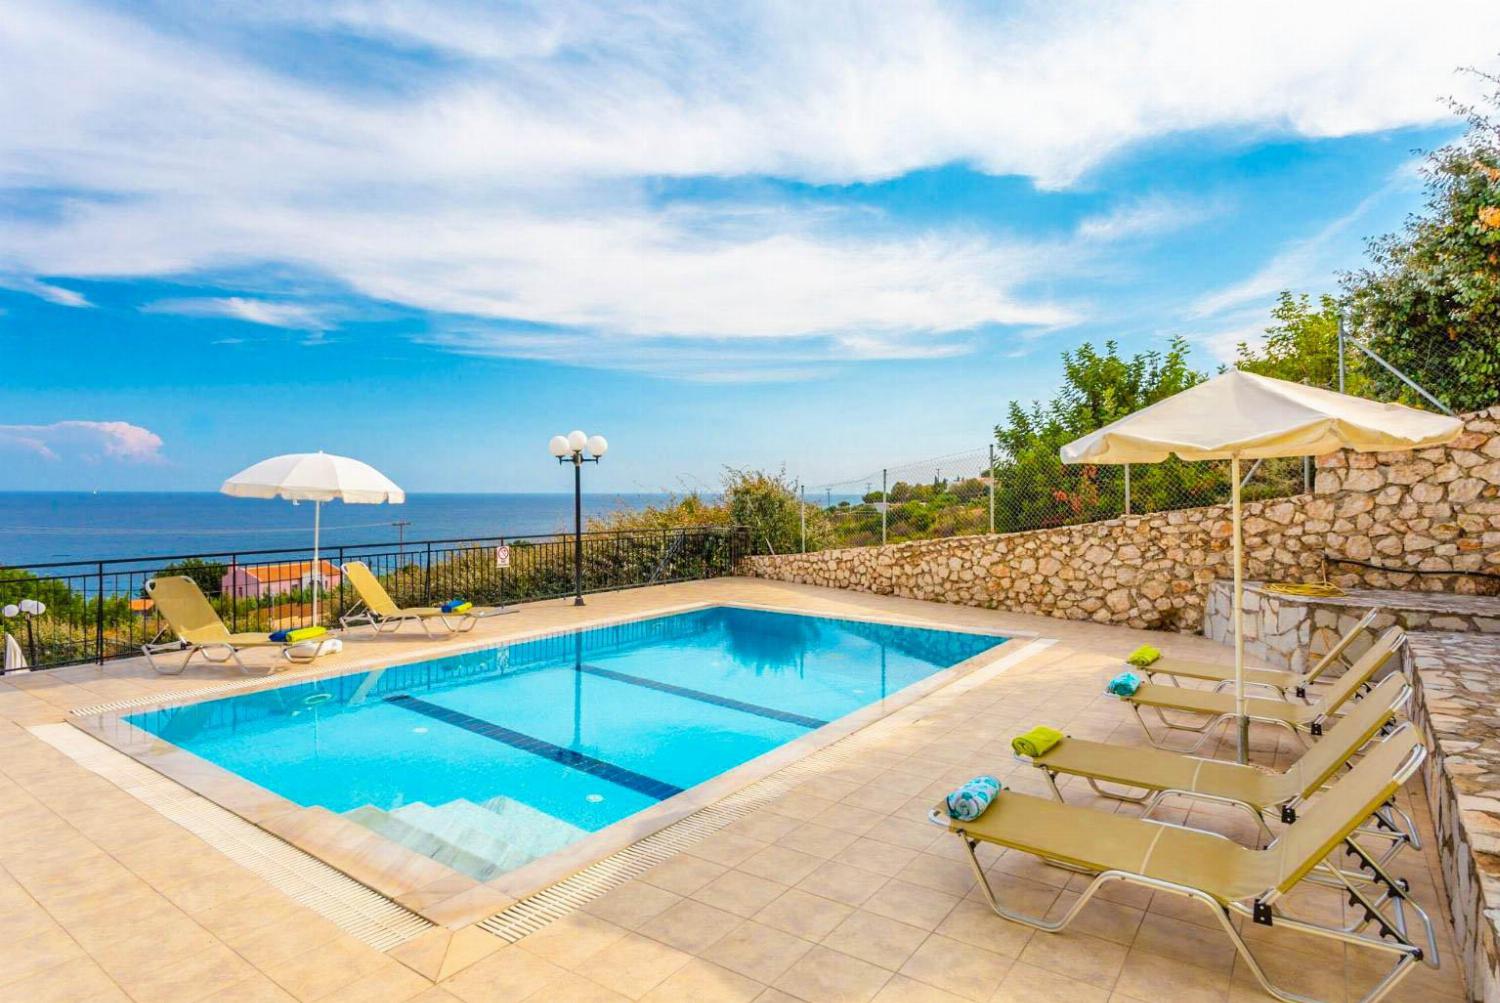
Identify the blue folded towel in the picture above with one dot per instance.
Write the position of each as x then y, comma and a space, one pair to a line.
456, 606
1124, 685
970, 801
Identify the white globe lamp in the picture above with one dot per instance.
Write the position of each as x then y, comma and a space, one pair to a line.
577, 440
597, 444
559, 447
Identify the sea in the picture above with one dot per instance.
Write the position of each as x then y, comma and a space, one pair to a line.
48, 527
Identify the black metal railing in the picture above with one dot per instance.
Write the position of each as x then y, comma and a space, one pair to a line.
97, 610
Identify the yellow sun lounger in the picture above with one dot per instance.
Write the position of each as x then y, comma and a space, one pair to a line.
182, 604
1164, 775
382, 613
1279, 680
1214, 707
1231, 881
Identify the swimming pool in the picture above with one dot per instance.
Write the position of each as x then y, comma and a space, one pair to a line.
488, 760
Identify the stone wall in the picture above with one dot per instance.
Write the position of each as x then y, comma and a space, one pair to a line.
1432, 510
1145, 570
1457, 679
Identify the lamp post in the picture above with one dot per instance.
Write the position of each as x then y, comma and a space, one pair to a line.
570, 448
31, 608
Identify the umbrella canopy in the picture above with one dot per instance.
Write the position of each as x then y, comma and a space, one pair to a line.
315, 477
1240, 415
318, 478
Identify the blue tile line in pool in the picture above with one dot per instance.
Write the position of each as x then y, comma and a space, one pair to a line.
582, 762
713, 698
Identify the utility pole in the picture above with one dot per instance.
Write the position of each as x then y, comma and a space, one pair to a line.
401, 525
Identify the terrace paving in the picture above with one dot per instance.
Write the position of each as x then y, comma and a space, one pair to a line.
839, 891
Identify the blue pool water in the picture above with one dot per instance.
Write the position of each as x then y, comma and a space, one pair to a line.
489, 759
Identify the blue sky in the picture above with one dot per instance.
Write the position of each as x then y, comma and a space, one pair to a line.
431, 235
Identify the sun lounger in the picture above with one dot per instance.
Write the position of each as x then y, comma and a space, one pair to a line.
381, 612
1277, 679
1233, 882
182, 604
1214, 707
1160, 775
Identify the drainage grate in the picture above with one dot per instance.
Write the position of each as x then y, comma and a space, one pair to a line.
211, 689
552, 903
357, 910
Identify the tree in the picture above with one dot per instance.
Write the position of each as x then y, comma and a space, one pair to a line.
208, 574
678, 512
1430, 301
1302, 346
766, 504
1032, 486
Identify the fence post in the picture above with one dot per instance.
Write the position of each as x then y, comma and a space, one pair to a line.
1341, 351
1127, 489
427, 577
991, 479
234, 592
802, 511
342, 605
1307, 475
885, 504
98, 619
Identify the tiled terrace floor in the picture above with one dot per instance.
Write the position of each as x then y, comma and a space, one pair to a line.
840, 892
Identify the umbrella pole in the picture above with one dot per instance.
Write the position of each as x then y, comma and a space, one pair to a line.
317, 570
1239, 613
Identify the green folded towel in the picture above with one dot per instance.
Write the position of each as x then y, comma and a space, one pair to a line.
1036, 742
1143, 656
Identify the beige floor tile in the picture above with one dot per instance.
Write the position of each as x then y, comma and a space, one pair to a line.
633, 904
47, 948
508, 975
327, 967
823, 975
953, 877
700, 981
914, 904
385, 985
901, 989
1028, 984
1100, 917
683, 874
1186, 942
756, 951
740, 893
256, 989
69, 982
844, 883
780, 863
873, 855
576, 989
726, 848
877, 939
976, 923
634, 965
1151, 978
956, 967
196, 976
817, 840
804, 915
1076, 955
690, 925
571, 939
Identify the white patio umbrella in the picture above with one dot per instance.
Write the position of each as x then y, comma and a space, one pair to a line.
1237, 416
316, 477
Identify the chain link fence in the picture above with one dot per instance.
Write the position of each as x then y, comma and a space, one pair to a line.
982, 490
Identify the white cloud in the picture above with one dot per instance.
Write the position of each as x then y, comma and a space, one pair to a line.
1302, 262
509, 178
85, 440
271, 313
44, 290
1146, 217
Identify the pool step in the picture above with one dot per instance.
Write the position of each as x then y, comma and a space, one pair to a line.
481, 841
423, 842
501, 829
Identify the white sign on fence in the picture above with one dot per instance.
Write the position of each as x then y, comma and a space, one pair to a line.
502, 556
